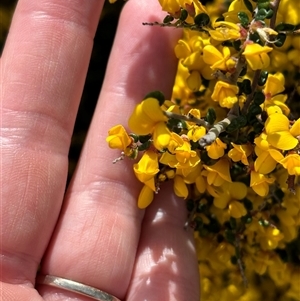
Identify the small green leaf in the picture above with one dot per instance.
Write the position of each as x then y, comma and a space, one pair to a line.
144, 138
248, 204
259, 98
280, 39
246, 86
183, 15
211, 116
134, 137
261, 14
229, 236
249, 6
158, 95
168, 19
144, 146
243, 17
263, 78
285, 27
270, 14
255, 109
202, 19
263, 4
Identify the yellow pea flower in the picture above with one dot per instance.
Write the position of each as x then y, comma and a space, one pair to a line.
232, 192
146, 197
148, 118
216, 149
225, 31
266, 160
240, 153
275, 85
279, 133
218, 173
237, 209
257, 56
225, 94
180, 188
170, 6
260, 183
292, 164
146, 169
214, 58
118, 138
145, 116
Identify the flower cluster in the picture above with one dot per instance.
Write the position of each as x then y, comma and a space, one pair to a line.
229, 139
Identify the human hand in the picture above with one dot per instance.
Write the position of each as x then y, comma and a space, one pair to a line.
94, 234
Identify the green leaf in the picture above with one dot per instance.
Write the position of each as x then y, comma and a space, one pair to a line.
270, 14
263, 4
249, 6
168, 19
158, 95
259, 98
246, 86
144, 138
183, 15
285, 27
263, 77
280, 39
261, 14
135, 137
211, 116
202, 19
144, 146
243, 17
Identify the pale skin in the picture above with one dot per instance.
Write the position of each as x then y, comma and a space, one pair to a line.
94, 233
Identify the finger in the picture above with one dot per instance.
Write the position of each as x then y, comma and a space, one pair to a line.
166, 267
43, 68
97, 236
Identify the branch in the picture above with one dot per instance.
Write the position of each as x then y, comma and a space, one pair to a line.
189, 118
215, 131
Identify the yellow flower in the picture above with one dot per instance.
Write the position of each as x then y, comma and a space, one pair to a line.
215, 59
240, 153
225, 31
180, 154
148, 118
146, 169
279, 133
292, 164
225, 94
266, 160
232, 192
256, 56
118, 138
145, 197
180, 187
216, 149
260, 183
275, 85
170, 6
218, 173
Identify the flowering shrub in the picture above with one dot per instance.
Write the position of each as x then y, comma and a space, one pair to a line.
229, 139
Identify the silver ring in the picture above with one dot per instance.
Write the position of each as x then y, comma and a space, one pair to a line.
75, 287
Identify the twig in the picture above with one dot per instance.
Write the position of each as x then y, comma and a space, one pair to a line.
189, 118
216, 130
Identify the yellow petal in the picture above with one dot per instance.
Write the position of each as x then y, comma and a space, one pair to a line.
277, 123
295, 129
180, 187
161, 136
146, 197
237, 209
282, 140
